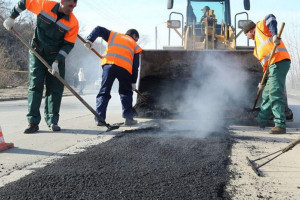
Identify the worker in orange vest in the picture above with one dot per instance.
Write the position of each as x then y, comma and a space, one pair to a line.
54, 37
121, 61
264, 34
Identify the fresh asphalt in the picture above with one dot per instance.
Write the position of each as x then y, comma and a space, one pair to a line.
135, 165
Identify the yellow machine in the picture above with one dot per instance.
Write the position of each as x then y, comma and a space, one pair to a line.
208, 37
207, 26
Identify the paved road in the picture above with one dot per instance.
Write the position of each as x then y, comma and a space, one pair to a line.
35, 151
78, 128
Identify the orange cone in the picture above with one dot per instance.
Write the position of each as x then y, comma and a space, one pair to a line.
3, 145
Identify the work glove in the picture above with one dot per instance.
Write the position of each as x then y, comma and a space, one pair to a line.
133, 86
54, 68
260, 86
88, 45
276, 40
9, 23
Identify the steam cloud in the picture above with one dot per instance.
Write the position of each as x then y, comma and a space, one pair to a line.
218, 84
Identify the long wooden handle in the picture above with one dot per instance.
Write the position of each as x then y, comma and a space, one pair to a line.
267, 69
84, 41
141, 95
290, 146
59, 77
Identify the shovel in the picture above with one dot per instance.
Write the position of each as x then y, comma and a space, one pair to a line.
262, 82
109, 127
101, 57
256, 167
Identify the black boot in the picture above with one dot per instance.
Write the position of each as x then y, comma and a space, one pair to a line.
32, 128
99, 123
54, 127
130, 122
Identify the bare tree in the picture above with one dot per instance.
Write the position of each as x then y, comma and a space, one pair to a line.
143, 40
292, 43
13, 54
4, 5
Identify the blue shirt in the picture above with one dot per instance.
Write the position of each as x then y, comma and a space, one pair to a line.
271, 23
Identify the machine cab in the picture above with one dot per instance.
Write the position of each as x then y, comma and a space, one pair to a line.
199, 11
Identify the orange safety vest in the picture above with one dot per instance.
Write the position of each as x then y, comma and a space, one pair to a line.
264, 45
44, 8
120, 51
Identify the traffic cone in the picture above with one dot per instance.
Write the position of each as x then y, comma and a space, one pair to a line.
3, 145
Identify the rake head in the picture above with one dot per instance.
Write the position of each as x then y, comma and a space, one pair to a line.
254, 167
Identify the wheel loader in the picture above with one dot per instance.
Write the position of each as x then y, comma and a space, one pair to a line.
207, 72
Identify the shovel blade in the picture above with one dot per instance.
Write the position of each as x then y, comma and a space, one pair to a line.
110, 128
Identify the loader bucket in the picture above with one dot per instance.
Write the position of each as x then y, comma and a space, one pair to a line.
165, 75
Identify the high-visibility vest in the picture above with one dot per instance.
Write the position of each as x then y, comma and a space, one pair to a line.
264, 45
43, 9
120, 51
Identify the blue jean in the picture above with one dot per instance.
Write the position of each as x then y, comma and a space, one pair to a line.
109, 74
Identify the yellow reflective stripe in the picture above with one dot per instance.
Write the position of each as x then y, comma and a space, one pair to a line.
17, 71
119, 56
66, 28
137, 47
113, 37
262, 44
48, 16
122, 46
268, 56
119, 45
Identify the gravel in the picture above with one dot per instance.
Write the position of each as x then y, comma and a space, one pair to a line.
137, 165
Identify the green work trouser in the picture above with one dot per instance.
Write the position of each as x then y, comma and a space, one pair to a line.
38, 75
273, 96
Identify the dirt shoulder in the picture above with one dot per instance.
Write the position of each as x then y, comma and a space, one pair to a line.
281, 176
17, 93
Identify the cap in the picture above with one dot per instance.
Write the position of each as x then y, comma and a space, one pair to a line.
131, 32
205, 8
248, 26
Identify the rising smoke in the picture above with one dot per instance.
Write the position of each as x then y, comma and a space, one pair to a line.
80, 57
219, 84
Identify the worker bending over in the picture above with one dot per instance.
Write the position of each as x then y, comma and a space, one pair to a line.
264, 33
121, 61
53, 39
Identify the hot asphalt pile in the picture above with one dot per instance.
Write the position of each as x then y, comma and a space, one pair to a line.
137, 165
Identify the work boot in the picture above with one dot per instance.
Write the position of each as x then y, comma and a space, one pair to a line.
260, 125
100, 124
130, 122
278, 130
32, 128
54, 127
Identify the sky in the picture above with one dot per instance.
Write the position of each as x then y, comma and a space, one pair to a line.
145, 15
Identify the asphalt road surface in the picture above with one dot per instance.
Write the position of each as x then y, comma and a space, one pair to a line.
144, 162
135, 165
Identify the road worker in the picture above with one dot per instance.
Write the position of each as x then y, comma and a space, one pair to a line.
264, 33
204, 16
53, 39
82, 80
121, 61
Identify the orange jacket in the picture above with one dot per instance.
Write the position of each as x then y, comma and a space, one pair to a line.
120, 51
264, 45
55, 37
